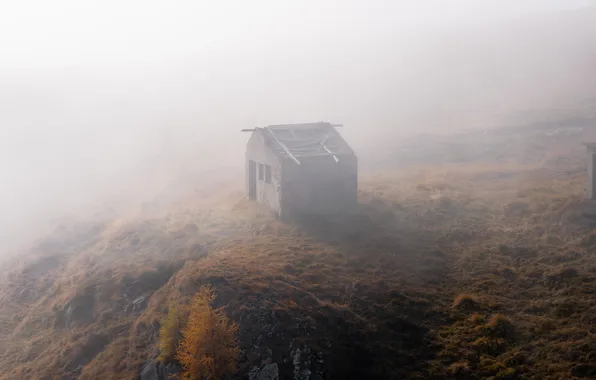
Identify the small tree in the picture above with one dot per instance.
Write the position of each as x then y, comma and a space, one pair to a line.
170, 332
209, 346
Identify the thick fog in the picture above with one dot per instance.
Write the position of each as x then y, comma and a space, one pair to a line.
109, 100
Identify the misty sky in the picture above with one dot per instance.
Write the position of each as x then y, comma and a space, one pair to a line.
68, 33
96, 96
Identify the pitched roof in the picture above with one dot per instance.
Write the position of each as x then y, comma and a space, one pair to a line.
297, 141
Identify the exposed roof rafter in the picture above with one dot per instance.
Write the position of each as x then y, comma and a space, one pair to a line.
301, 141
331, 153
284, 147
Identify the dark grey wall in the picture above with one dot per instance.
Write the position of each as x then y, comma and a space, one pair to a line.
591, 173
319, 185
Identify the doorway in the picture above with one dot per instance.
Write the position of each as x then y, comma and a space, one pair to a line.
252, 180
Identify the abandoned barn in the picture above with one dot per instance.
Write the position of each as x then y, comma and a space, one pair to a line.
298, 169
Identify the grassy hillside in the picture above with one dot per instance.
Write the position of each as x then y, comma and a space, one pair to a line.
461, 264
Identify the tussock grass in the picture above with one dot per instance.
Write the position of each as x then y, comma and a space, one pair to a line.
500, 326
459, 369
477, 319
466, 302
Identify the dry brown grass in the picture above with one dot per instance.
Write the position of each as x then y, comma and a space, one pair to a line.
373, 293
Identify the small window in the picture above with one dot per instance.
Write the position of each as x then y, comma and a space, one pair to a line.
268, 173
261, 172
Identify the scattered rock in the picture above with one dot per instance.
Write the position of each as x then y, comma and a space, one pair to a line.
150, 371
268, 372
139, 303
27, 294
301, 361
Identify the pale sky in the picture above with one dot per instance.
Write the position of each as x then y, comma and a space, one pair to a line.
45, 34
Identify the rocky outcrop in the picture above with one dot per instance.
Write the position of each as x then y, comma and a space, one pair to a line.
151, 371
301, 365
154, 370
307, 366
268, 372
77, 311
277, 343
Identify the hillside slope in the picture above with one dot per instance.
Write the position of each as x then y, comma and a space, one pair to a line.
470, 267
